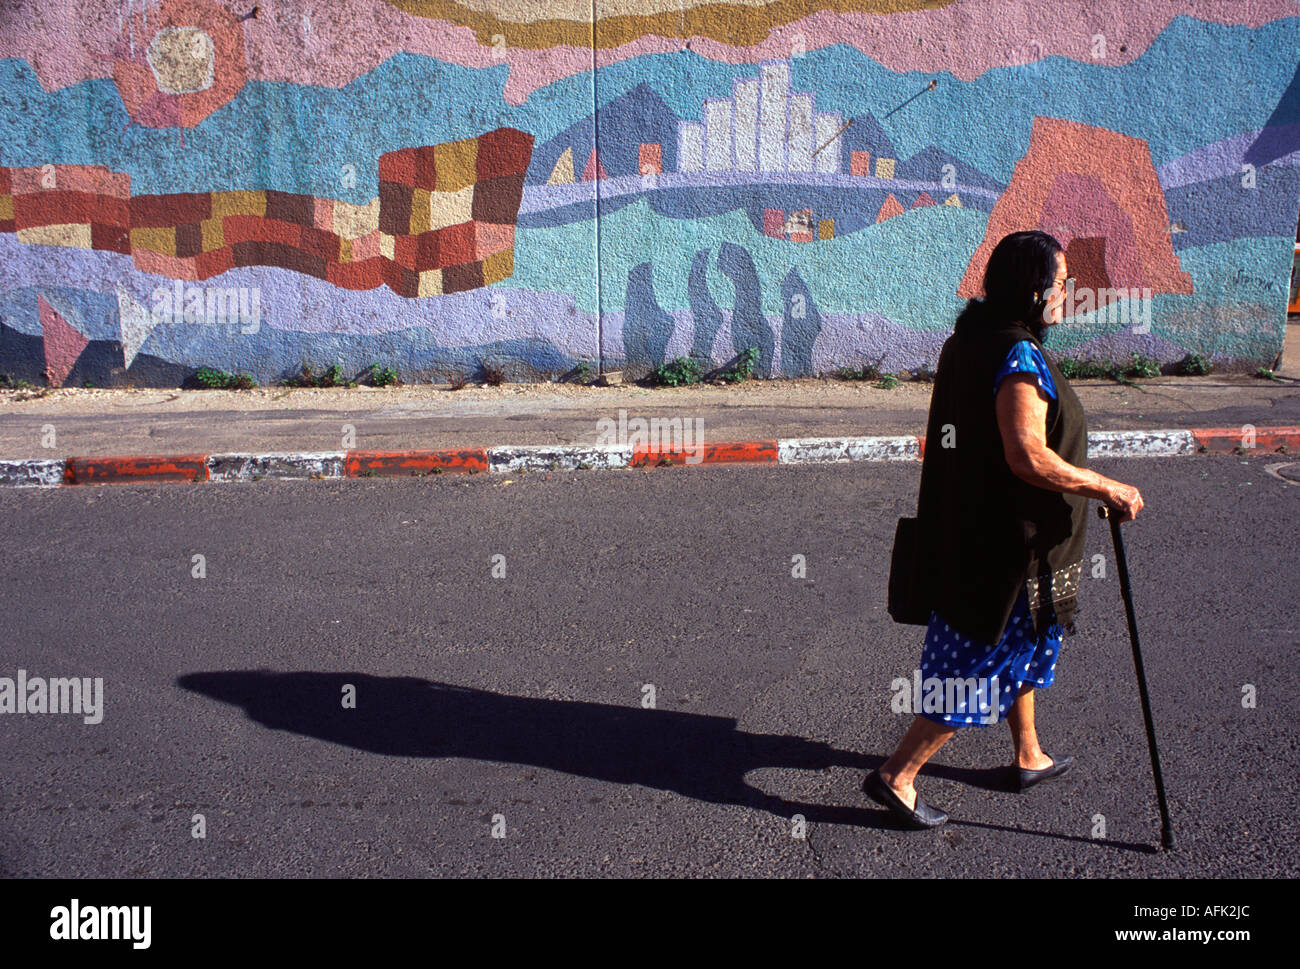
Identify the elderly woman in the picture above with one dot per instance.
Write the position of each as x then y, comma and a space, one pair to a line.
1001, 518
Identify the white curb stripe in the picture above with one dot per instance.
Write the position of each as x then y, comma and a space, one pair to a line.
1140, 444
559, 457
32, 473
246, 467
816, 450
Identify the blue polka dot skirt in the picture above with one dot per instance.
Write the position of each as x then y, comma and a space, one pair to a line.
957, 672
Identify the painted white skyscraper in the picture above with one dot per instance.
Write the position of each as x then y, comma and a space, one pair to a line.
690, 146
762, 127
745, 121
717, 134
800, 142
773, 107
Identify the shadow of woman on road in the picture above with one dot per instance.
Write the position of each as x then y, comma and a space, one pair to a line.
697, 756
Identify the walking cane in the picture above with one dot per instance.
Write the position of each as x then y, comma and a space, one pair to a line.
1166, 829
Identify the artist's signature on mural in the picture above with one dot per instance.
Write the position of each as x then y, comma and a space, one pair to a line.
1244, 278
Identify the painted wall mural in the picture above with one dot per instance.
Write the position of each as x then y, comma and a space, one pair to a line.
430, 184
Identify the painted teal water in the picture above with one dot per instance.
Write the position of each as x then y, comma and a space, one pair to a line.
906, 268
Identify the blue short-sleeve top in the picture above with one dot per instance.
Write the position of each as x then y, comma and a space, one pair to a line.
1026, 358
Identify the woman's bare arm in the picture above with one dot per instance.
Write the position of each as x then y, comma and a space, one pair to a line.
1022, 419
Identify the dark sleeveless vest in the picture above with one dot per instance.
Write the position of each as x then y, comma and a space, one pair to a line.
985, 534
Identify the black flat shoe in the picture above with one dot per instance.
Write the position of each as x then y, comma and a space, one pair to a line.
921, 816
1028, 778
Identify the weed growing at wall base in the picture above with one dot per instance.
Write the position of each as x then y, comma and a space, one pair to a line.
307, 377
211, 379
1143, 367
742, 369
1138, 366
869, 371
677, 373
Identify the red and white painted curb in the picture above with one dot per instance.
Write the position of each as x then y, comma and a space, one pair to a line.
38, 472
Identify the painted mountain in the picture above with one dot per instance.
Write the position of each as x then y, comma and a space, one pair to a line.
1097, 192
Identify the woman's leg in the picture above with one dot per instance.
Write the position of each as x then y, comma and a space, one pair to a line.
921, 742
1020, 718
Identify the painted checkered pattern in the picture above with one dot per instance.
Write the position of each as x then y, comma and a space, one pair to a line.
443, 222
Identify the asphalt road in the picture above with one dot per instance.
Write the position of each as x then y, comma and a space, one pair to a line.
516, 702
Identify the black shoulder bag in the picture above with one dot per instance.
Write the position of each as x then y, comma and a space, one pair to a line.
909, 598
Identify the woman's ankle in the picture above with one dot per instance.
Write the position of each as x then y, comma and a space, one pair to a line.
893, 779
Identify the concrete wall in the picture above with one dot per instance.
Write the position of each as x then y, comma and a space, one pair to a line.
431, 183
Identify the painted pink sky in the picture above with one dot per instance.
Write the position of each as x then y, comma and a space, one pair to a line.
67, 41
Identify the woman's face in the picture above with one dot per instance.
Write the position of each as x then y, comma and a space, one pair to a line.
1054, 312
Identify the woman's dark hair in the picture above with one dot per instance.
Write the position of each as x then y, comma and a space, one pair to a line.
1022, 264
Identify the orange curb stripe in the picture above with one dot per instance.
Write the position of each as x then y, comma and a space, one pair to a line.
194, 467
729, 452
395, 463
1267, 439
145, 468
